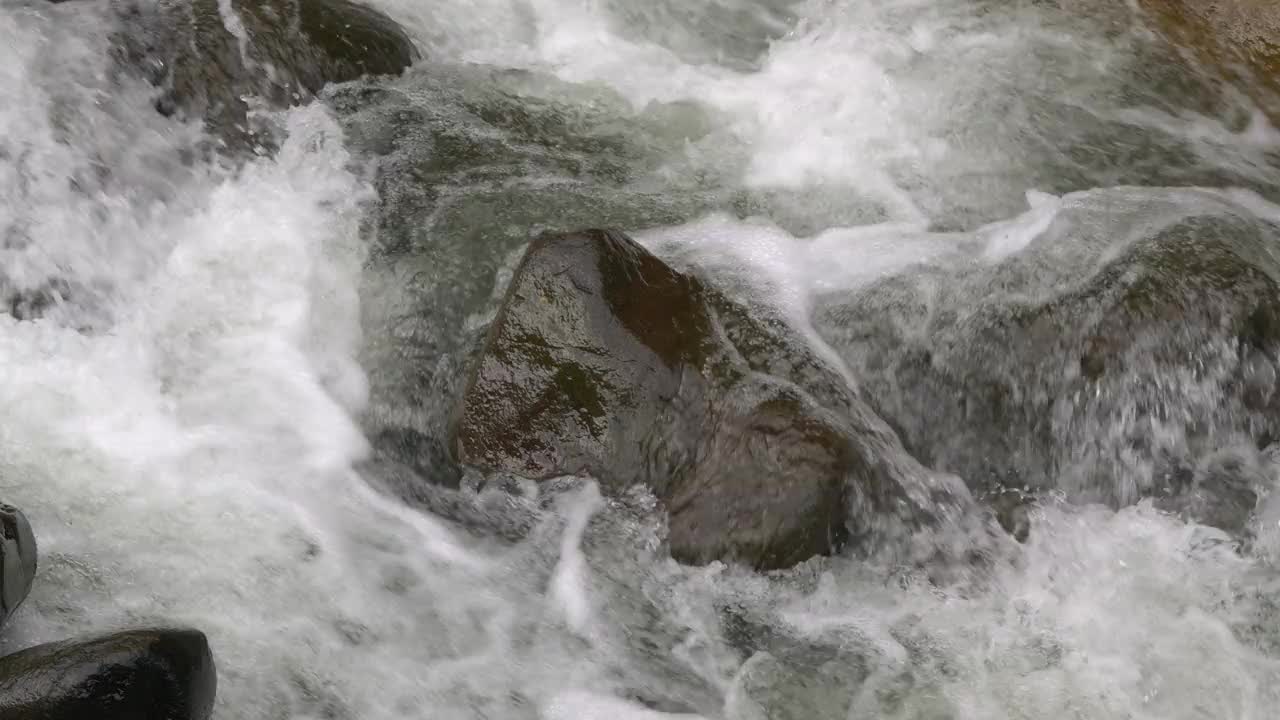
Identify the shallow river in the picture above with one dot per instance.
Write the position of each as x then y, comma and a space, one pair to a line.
194, 430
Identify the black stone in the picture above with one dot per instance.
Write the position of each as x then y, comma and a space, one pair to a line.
605, 361
17, 559
153, 674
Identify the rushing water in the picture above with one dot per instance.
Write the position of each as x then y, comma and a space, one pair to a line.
188, 424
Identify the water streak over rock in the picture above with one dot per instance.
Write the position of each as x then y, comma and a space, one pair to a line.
1135, 336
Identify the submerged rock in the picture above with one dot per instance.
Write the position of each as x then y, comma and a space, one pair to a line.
787, 674
32, 304
282, 51
1136, 334
17, 559
605, 361
1222, 491
135, 675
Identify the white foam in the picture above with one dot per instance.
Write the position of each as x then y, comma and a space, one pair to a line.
1007, 238
881, 99
569, 582
583, 705
1133, 606
790, 272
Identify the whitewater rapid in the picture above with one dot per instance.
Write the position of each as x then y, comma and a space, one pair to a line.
183, 428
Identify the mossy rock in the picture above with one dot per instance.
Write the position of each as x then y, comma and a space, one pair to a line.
604, 361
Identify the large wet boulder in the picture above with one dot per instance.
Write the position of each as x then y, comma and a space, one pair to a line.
154, 674
467, 160
1239, 38
209, 59
17, 559
605, 361
1132, 339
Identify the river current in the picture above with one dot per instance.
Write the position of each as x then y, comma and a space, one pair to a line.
188, 424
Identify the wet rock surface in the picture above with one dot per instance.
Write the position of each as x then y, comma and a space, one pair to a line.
151, 674
1109, 358
281, 51
17, 559
605, 361
1240, 38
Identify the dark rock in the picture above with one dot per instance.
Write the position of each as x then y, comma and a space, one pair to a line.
605, 361
17, 559
291, 50
317, 42
1136, 335
573, 347
766, 483
154, 674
